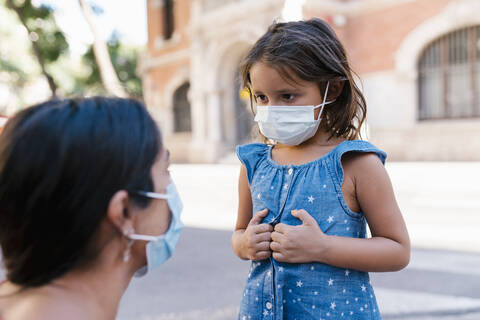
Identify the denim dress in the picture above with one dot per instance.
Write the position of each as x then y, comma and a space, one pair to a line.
278, 290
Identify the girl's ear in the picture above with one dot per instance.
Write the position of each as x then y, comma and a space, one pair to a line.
118, 212
335, 89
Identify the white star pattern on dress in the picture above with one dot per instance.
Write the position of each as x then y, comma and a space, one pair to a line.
313, 307
312, 268
344, 291
351, 312
310, 199
330, 219
364, 289
265, 313
299, 283
269, 273
285, 186
315, 293
280, 269
347, 302
324, 186
330, 282
332, 305
347, 272
259, 195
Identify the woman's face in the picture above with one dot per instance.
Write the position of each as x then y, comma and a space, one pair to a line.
155, 218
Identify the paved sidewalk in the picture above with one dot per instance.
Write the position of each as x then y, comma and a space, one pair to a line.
440, 201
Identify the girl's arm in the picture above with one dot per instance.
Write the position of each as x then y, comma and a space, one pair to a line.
387, 250
251, 240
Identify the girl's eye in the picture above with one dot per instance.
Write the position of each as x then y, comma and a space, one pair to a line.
288, 96
260, 98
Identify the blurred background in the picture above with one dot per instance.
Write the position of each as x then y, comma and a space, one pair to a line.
418, 63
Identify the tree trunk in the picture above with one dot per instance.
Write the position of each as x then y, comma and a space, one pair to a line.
36, 49
107, 72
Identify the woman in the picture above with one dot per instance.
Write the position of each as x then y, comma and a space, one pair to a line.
86, 202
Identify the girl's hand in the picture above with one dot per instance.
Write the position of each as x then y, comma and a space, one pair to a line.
298, 244
257, 237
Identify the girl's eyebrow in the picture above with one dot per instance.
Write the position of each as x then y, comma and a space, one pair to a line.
289, 90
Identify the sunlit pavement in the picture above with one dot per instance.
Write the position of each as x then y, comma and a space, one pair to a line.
204, 280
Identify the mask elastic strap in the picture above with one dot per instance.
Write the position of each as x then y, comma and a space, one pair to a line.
154, 195
142, 237
324, 101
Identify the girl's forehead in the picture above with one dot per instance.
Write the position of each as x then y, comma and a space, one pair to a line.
265, 76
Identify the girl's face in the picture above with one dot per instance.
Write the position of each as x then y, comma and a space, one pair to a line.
271, 89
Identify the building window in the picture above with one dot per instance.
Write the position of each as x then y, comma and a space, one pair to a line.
181, 109
449, 76
168, 23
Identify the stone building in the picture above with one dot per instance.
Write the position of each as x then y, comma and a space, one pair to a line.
418, 60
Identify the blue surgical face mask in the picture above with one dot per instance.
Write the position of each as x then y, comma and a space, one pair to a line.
160, 248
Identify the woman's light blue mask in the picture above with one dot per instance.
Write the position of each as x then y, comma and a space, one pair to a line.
160, 248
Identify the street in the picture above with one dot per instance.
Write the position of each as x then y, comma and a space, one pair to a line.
204, 279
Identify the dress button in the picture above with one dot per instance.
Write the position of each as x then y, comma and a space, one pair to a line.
268, 305
290, 171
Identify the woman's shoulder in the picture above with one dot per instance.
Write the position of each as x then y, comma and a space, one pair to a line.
39, 305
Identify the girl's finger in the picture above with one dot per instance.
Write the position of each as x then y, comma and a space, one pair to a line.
263, 237
279, 257
261, 228
257, 218
281, 227
277, 236
262, 255
275, 246
263, 246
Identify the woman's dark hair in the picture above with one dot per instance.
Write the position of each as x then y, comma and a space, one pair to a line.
311, 51
61, 162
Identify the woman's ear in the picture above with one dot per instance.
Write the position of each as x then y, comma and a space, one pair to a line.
118, 213
335, 89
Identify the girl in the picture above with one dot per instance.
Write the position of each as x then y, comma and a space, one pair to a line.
305, 199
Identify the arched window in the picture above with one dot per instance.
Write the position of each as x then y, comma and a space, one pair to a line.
168, 19
449, 76
181, 109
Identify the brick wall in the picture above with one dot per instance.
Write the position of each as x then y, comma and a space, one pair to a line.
372, 38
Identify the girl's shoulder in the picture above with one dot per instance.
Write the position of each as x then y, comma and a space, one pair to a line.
355, 155
358, 146
250, 155
252, 152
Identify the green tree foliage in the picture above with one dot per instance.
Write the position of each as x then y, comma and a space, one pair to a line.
124, 60
48, 41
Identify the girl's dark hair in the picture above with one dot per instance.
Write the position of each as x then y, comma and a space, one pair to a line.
311, 51
61, 162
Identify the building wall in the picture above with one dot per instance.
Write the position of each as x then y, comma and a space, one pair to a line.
383, 39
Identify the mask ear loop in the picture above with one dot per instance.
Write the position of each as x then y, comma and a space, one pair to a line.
324, 101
